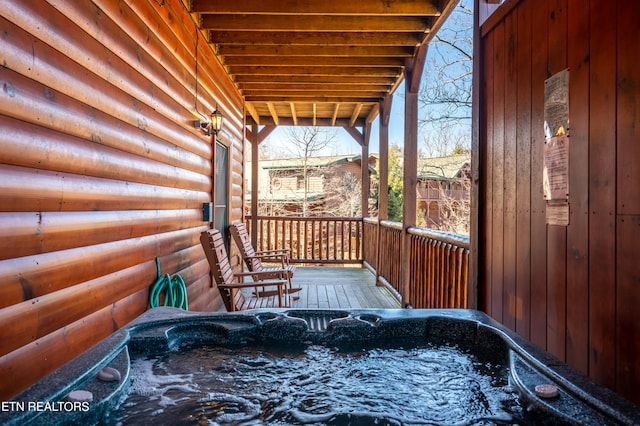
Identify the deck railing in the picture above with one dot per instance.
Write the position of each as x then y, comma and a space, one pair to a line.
314, 240
437, 263
387, 264
439, 270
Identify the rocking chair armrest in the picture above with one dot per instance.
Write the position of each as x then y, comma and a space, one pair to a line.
269, 256
254, 284
268, 275
257, 274
283, 251
265, 256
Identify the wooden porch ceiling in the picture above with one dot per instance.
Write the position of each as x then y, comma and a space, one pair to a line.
318, 63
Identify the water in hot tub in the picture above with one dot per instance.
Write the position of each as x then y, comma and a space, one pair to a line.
317, 386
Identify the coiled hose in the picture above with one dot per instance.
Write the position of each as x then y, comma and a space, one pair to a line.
174, 289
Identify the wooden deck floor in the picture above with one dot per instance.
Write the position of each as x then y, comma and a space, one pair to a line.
325, 287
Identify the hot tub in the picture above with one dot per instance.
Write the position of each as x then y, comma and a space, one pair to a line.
366, 348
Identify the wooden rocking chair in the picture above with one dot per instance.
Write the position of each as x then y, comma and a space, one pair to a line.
254, 259
231, 285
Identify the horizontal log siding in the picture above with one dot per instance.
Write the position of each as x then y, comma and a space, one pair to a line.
101, 171
52, 349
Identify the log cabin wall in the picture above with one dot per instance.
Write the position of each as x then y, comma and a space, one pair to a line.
573, 290
101, 171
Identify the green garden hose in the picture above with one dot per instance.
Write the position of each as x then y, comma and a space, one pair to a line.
174, 289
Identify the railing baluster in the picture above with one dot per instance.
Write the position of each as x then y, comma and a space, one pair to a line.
301, 240
268, 238
358, 239
314, 242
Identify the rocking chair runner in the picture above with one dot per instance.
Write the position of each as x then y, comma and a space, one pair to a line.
254, 259
231, 285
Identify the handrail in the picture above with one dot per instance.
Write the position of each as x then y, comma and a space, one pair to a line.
392, 225
447, 237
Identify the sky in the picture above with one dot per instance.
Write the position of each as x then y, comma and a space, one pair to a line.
345, 144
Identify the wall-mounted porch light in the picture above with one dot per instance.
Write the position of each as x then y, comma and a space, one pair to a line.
216, 121
215, 125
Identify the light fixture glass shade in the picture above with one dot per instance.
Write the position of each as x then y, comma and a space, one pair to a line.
216, 121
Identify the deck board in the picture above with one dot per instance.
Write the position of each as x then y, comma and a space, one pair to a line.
340, 288
325, 287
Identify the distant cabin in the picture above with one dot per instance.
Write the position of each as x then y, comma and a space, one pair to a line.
330, 185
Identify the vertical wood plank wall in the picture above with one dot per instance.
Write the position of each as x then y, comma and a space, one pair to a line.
574, 291
101, 171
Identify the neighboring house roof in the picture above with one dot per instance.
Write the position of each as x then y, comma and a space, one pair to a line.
292, 197
298, 163
438, 168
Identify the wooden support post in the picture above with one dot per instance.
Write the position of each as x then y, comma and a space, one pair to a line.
383, 192
383, 173
363, 140
412, 86
256, 137
409, 185
413, 71
255, 166
366, 133
472, 284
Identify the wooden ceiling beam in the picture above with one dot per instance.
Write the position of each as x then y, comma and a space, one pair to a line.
308, 121
327, 71
274, 88
311, 23
315, 114
294, 116
335, 113
316, 38
361, 7
314, 93
253, 113
373, 113
315, 79
306, 105
328, 51
273, 112
318, 99
355, 114
294, 61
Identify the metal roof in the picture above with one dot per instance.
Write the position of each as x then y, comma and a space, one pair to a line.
448, 167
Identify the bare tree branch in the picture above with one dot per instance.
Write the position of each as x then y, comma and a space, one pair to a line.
445, 98
306, 143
